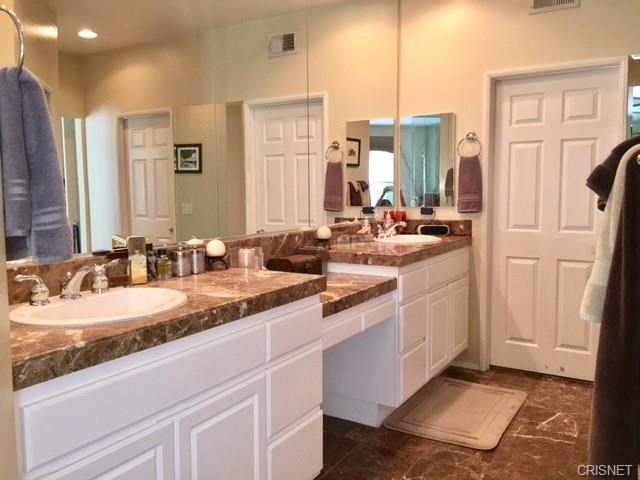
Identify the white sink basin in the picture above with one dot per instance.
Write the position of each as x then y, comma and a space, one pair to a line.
409, 240
115, 306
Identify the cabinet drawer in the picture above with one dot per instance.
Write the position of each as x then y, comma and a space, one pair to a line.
447, 269
67, 420
379, 314
412, 283
413, 366
148, 455
294, 388
292, 331
298, 454
341, 330
413, 323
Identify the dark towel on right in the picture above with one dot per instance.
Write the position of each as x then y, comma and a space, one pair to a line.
601, 179
470, 185
333, 187
615, 411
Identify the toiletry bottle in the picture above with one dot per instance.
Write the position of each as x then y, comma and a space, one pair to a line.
138, 268
163, 265
152, 272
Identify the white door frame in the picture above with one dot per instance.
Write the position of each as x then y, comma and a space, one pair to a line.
248, 110
123, 168
490, 81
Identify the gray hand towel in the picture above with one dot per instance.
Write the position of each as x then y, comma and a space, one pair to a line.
333, 187
15, 171
50, 233
470, 185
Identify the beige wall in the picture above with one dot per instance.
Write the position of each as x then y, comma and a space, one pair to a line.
196, 124
70, 94
448, 45
7, 436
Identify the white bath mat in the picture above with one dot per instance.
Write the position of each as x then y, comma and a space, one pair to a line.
463, 413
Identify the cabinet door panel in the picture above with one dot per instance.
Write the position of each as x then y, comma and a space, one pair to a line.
223, 438
145, 456
413, 323
438, 314
295, 388
459, 310
414, 370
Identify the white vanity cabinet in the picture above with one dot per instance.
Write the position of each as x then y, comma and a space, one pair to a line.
237, 402
430, 329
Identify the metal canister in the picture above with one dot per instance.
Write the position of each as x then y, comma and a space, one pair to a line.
181, 262
198, 260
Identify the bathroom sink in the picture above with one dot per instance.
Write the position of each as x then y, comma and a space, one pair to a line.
90, 310
409, 240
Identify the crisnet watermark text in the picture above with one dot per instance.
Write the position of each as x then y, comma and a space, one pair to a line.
605, 470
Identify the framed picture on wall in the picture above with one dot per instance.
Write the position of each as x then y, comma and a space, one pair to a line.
353, 152
188, 158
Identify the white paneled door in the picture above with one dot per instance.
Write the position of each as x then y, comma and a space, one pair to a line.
285, 166
550, 132
149, 149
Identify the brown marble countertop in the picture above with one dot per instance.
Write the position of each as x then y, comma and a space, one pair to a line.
345, 291
215, 298
373, 253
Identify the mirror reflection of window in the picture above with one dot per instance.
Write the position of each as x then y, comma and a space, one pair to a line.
381, 177
634, 113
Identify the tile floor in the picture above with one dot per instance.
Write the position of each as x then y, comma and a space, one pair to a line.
546, 440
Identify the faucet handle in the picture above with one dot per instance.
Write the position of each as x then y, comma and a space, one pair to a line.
100, 283
39, 291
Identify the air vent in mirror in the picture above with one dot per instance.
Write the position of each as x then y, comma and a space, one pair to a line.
542, 6
281, 44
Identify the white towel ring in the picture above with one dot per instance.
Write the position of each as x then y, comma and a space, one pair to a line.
472, 139
16, 22
332, 151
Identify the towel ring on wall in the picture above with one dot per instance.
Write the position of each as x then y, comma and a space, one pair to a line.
16, 22
332, 151
472, 139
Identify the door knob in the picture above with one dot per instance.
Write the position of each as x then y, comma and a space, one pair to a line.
171, 229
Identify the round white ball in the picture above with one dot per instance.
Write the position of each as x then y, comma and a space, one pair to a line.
323, 233
216, 248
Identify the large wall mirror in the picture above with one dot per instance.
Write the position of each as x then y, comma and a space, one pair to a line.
206, 118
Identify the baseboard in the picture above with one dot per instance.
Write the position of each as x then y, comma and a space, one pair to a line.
467, 365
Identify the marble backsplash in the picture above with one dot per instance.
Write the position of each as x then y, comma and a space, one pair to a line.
273, 245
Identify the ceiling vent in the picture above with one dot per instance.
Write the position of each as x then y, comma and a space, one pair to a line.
281, 44
543, 6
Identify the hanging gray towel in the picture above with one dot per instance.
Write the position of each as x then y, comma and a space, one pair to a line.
470, 185
15, 172
333, 187
41, 205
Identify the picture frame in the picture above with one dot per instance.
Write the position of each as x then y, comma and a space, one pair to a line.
353, 152
187, 158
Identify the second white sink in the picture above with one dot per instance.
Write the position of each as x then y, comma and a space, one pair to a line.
115, 306
410, 240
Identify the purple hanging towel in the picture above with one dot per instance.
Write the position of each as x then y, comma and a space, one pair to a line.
333, 187
470, 185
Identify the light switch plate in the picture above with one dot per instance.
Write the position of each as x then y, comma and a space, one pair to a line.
186, 208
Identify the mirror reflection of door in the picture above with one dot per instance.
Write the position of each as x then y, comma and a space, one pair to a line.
149, 158
75, 180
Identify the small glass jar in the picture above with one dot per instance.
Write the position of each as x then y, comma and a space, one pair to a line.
163, 265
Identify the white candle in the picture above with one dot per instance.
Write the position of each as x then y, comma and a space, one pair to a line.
216, 248
323, 233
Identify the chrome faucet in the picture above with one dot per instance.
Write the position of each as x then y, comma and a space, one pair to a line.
39, 291
389, 229
73, 282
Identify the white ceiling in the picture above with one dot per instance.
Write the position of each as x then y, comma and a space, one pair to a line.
123, 23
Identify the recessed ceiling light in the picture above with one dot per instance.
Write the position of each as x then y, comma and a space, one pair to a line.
87, 33
636, 56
